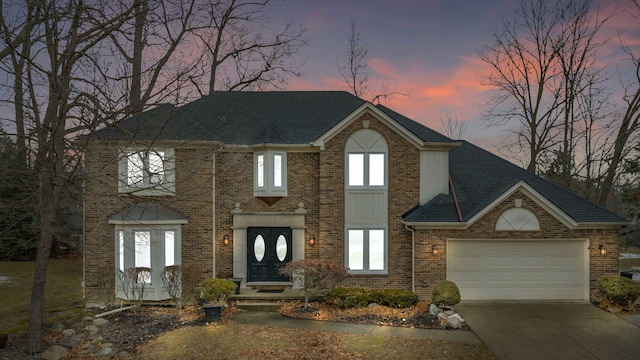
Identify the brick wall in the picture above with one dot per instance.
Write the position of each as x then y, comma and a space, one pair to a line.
194, 198
403, 173
431, 269
234, 184
317, 181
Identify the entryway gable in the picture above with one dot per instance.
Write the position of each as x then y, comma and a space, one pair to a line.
243, 221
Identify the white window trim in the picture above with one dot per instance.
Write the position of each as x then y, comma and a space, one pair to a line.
268, 188
154, 290
366, 179
365, 248
145, 188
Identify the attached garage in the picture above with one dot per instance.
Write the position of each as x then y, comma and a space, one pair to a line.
519, 269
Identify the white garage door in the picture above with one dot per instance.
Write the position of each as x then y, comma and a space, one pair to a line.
519, 270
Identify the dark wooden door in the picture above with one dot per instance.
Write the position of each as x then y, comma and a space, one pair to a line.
268, 249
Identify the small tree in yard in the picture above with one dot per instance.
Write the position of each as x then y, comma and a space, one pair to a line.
314, 274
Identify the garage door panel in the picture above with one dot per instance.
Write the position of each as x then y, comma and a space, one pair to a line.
518, 270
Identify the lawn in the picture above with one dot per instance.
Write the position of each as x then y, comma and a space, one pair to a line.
63, 292
229, 341
626, 264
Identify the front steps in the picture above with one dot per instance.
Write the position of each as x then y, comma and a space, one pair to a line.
265, 297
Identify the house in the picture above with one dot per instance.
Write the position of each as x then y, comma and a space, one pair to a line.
239, 183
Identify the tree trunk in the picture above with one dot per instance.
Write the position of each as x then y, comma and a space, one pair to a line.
47, 218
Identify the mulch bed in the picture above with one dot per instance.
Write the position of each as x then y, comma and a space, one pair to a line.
416, 316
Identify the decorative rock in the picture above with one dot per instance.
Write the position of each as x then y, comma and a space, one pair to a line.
68, 332
88, 319
449, 312
107, 352
457, 316
56, 352
93, 331
76, 341
97, 341
57, 327
454, 323
373, 305
434, 309
101, 322
123, 355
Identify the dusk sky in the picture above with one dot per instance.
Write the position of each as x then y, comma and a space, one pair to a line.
425, 48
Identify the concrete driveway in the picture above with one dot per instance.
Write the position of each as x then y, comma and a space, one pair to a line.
530, 330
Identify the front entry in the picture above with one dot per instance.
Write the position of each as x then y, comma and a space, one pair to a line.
268, 249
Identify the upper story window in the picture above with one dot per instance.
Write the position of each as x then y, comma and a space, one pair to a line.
366, 160
149, 171
270, 173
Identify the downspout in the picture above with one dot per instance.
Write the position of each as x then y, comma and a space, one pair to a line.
413, 258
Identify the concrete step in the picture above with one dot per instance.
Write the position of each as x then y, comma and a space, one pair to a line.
259, 306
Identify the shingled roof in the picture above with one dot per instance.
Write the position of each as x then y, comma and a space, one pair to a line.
300, 117
242, 118
479, 178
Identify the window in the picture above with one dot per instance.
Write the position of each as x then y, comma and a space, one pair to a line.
270, 173
153, 247
147, 172
366, 203
366, 169
366, 251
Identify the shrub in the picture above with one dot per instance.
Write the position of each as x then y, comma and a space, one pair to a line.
619, 290
314, 274
446, 293
217, 289
393, 297
343, 297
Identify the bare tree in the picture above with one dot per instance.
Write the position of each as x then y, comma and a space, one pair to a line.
354, 72
354, 68
241, 51
626, 135
576, 46
523, 57
454, 127
47, 60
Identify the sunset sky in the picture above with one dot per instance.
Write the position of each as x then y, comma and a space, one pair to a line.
425, 48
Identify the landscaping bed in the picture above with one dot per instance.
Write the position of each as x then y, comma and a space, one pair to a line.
416, 316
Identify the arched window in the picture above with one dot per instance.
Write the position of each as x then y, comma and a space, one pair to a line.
518, 219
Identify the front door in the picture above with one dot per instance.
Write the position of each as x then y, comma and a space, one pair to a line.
268, 249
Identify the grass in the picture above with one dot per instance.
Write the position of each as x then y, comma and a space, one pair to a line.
628, 263
63, 292
262, 342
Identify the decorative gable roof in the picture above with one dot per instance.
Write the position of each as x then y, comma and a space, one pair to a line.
480, 179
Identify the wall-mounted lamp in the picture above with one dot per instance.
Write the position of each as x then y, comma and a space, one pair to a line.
225, 240
602, 250
312, 240
434, 250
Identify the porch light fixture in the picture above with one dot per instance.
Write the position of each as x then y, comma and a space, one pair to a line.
434, 250
602, 250
225, 240
312, 240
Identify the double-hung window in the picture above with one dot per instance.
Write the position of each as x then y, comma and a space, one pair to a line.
270, 173
366, 203
149, 171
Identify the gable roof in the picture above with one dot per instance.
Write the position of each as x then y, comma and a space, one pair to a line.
241, 118
480, 178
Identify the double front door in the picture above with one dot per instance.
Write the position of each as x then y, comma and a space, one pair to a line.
268, 249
